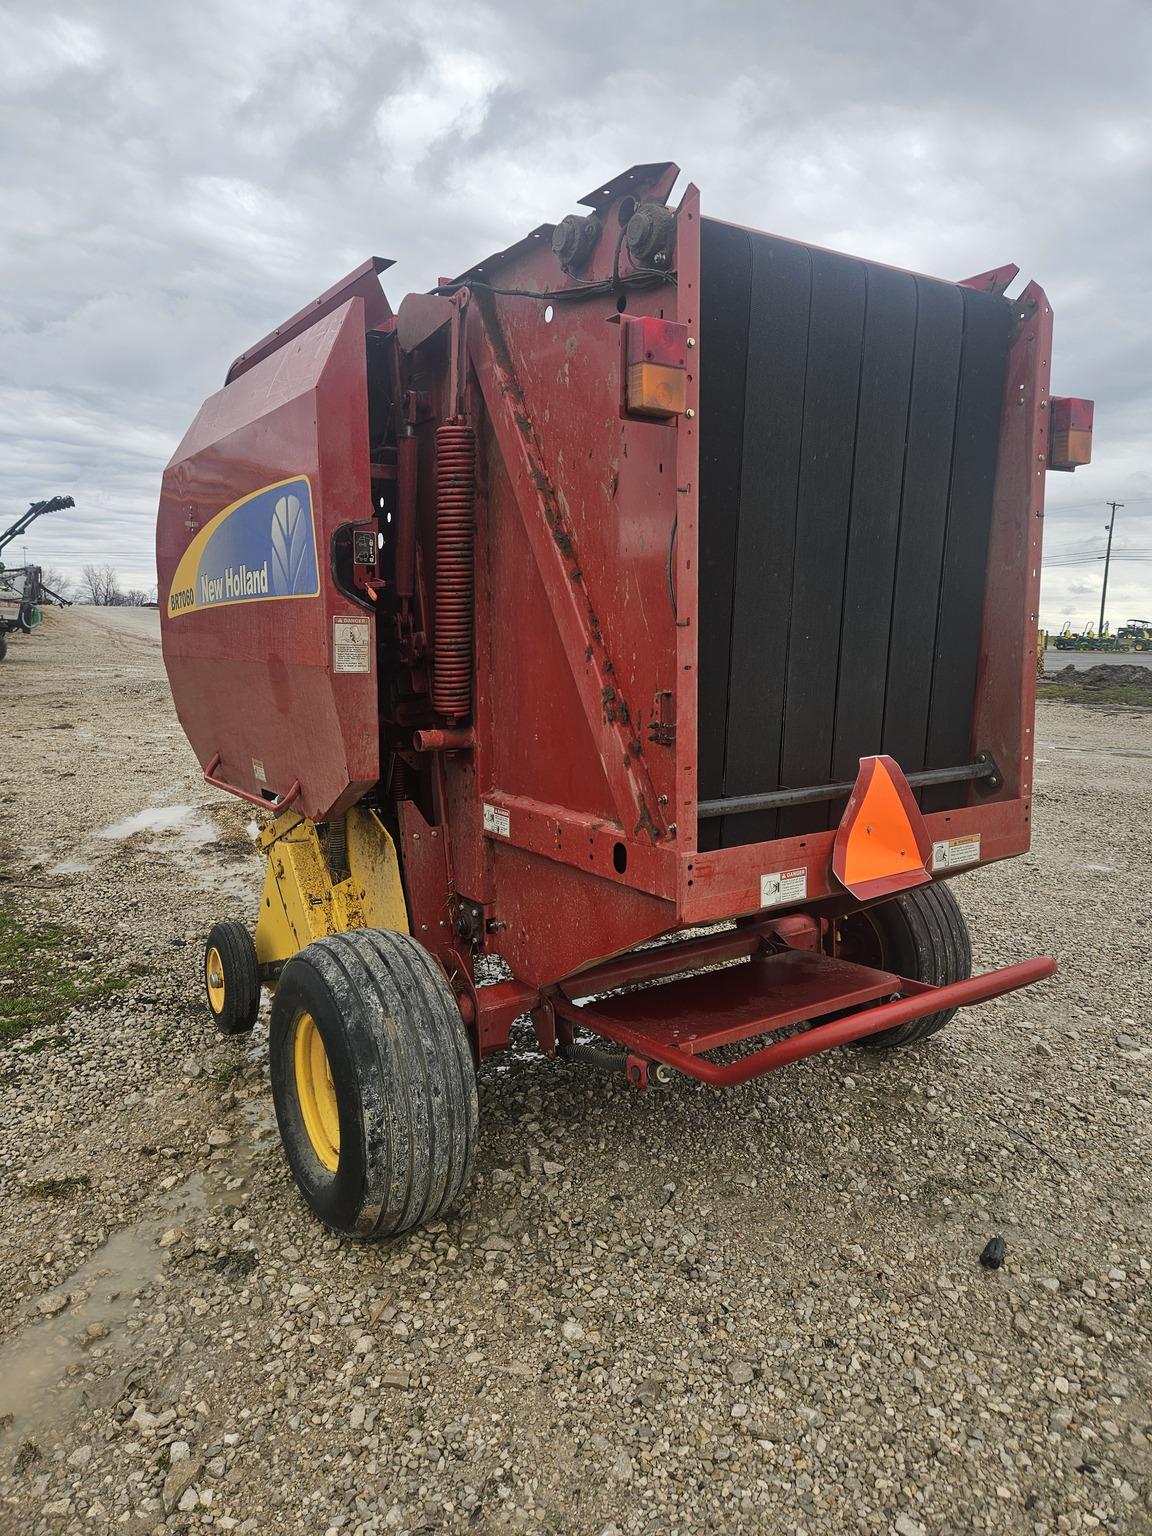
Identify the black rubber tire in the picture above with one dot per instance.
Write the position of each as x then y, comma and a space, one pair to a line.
241, 972
3, 645
404, 1080
920, 934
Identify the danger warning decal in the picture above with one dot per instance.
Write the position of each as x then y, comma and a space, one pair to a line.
261, 547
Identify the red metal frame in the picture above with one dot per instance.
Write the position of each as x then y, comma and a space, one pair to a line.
656, 1042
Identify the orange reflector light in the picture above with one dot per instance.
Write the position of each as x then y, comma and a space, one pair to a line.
882, 845
1070, 440
656, 360
656, 390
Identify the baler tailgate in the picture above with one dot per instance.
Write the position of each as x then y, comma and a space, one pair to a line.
678, 1021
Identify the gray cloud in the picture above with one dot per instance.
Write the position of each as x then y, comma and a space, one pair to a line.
176, 180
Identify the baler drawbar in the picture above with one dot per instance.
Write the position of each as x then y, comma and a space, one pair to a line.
647, 615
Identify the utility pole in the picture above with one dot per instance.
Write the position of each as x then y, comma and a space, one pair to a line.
1107, 557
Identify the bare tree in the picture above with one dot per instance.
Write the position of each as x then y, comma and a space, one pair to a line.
56, 581
100, 587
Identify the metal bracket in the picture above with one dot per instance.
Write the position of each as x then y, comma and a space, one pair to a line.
991, 779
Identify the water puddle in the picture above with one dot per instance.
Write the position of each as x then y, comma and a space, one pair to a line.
72, 1345
190, 829
70, 867
102, 1294
193, 826
238, 878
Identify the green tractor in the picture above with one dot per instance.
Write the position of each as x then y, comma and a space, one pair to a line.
23, 585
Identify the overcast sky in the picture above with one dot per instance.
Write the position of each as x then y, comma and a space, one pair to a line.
175, 180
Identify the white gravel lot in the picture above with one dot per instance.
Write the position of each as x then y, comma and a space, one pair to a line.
672, 1312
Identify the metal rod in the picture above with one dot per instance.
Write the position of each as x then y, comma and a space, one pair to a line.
1115, 505
405, 563
738, 805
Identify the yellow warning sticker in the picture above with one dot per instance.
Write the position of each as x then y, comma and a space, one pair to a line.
955, 851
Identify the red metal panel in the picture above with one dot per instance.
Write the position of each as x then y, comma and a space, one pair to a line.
726, 883
532, 715
562, 506
685, 527
996, 280
576, 637
1005, 709
253, 679
715, 1008
361, 283
424, 853
559, 918
595, 847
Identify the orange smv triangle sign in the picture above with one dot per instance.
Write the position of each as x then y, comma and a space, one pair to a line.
882, 845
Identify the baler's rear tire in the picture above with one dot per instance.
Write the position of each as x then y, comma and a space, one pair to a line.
373, 1081
920, 934
231, 978
3, 645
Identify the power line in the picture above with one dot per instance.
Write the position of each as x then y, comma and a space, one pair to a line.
1133, 558
1083, 506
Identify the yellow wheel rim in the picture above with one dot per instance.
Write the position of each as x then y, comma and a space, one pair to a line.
316, 1092
214, 979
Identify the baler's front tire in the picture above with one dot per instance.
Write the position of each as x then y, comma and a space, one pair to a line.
373, 1082
920, 934
231, 978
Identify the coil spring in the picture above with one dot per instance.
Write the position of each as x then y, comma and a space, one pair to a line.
455, 534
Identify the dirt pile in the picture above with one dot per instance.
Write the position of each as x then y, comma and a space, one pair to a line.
1110, 674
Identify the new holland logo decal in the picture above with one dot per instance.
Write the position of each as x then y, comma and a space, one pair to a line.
261, 547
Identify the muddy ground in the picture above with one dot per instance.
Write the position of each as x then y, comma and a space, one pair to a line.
672, 1312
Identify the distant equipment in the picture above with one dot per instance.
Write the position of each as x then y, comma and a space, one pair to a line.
24, 584
1136, 635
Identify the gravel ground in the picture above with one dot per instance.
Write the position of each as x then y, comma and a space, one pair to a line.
671, 1312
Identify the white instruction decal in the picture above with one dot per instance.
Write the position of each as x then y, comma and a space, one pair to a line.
784, 885
497, 821
258, 771
351, 645
954, 851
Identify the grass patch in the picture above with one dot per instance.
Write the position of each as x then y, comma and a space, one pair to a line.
1095, 693
41, 980
55, 1189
